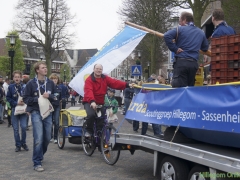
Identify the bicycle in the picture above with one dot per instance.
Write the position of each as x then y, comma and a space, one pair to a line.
101, 139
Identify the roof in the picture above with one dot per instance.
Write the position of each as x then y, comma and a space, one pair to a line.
31, 50
83, 55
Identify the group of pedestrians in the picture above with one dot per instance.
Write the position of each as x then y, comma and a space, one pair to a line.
22, 96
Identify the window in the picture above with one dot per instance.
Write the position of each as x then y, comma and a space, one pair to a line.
53, 66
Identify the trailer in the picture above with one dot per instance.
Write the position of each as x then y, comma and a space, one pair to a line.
189, 150
183, 161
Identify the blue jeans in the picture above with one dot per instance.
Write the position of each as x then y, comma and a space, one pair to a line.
41, 136
55, 116
1, 112
156, 128
22, 120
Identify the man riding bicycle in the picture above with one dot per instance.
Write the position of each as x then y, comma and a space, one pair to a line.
95, 89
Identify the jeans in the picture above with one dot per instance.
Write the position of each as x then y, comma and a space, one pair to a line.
22, 120
55, 116
1, 112
156, 128
41, 136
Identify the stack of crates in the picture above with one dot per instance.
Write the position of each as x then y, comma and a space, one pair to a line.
225, 59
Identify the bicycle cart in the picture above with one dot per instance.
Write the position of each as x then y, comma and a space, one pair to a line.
70, 126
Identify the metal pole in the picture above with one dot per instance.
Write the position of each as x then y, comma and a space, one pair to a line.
64, 77
12, 68
11, 54
127, 69
148, 71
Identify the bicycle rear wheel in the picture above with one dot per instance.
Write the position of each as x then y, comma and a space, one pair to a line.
61, 137
109, 155
88, 143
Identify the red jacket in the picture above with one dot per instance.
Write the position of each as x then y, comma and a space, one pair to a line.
96, 88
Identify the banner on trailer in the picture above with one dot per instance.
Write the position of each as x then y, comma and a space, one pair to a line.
110, 56
207, 107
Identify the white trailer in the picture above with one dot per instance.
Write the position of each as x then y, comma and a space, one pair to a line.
183, 161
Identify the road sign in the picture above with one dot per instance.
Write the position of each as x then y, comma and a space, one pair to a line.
136, 70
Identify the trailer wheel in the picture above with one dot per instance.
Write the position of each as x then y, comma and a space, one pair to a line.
199, 173
173, 169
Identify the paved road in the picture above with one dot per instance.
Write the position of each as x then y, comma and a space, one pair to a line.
71, 162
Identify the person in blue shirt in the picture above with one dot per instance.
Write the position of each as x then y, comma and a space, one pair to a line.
56, 106
221, 27
65, 94
189, 39
41, 127
14, 91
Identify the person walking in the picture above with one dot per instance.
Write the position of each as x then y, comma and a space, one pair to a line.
41, 127
189, 39
14, 92
56, 105
65, 94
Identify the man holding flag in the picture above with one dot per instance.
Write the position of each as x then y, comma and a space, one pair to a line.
95, 89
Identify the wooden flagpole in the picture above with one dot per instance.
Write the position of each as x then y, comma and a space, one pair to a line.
208, 53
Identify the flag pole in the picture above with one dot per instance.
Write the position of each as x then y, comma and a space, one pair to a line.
208, 53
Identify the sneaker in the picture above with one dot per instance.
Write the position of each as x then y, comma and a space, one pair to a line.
51, 140
87, 134
25, 147
55, 141
18, 148
38, 168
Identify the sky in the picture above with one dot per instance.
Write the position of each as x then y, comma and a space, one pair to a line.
97, 20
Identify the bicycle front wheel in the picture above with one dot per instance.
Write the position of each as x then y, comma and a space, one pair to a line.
88, 143
109, 155
61, 137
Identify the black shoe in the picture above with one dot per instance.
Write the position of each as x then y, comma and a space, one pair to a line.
18, 149
25, 147
9, 125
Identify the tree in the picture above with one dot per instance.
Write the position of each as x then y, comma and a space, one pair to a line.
67, 72
5, 62
47, 22
232, 13
198, 7
153, 14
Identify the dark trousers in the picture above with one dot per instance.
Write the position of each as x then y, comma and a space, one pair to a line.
135, 125
119, 100
91, 115
184, 72
64, 104
127, 103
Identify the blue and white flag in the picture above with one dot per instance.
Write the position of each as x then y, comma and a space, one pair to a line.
110, 56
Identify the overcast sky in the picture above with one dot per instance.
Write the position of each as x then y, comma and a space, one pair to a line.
98, 20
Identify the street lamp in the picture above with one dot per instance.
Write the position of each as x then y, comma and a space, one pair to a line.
64, 75
11, 52
41, 56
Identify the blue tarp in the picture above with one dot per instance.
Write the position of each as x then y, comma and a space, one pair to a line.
215, 108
